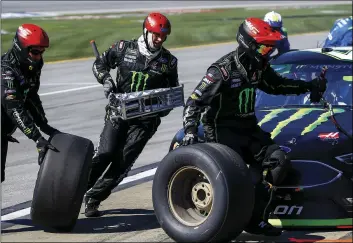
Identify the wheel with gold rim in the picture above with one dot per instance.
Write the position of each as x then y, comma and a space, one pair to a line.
203, 193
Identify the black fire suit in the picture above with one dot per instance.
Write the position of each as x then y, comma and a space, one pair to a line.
21, 106
228, 91
121, 142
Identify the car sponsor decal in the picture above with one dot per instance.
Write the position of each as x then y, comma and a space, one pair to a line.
299, 114
331, 137
347, 78
310, 222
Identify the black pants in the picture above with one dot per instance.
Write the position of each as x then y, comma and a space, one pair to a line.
119, 144
4, 147
255, 146
7, 128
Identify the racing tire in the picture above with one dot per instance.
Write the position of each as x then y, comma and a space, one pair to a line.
203, 193
62, 182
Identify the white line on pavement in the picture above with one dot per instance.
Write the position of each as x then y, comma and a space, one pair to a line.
93, 86
26, 211
16, 214
70, 90
65, 83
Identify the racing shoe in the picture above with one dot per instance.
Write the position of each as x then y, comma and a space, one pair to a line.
91, 208
263, 228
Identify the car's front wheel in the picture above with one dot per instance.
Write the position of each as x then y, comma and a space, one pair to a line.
203, 193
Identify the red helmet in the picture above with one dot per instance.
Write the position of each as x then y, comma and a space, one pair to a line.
157, 23
257, 37
28, 36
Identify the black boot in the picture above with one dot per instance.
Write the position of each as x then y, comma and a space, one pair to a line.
91, 208
263, 228
259, 221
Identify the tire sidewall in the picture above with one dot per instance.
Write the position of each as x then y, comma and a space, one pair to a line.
215, 220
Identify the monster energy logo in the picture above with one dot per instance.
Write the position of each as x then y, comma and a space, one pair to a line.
164, 68
137, 79
299, 114
26, 130
10, 84
246, 100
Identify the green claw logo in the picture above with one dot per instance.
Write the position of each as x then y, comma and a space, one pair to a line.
140, 76
322, 118
271, 115
297, 115
249, 95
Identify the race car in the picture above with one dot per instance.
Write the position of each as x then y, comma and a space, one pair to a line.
204, 192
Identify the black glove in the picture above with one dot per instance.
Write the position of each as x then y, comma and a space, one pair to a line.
42, 146
318, 89
109, 86
190, 138
12, 139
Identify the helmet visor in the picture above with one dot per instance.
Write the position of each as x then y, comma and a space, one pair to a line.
36, 52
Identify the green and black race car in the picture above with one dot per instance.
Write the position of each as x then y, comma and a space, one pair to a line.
197, 188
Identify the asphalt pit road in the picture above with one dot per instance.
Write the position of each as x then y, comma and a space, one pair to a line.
118, 220
111, 221
292, 236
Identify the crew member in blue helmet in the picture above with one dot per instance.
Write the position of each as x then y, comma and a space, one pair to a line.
275, 21
340, 34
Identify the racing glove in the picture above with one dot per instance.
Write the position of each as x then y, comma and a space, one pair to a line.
12, 139
102, 75
42, 146
318, 89
108, 86
190, 138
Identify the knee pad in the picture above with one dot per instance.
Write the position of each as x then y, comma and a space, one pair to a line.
279, 157
279, 164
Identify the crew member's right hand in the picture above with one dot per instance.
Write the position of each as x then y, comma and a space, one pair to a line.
318, 89
42, 146
109, 86
189, 139
12, 139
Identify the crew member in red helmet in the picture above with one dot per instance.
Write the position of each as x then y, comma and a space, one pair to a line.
228, 91
21, 106
141, 64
